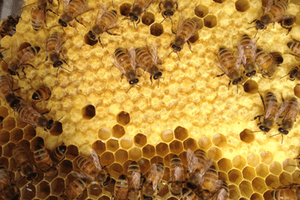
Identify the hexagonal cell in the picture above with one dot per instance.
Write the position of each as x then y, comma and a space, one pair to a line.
162, 149
223, 176
289, 165
144, 165
195, 37
214, 153
95, 190
140, 140
181, 133
250, 87
224, 164
115, 170
201, 11
204, 143
256, 196
43, 190
84, 195
268, 195
285, 178
121, 156
135, 153
20, 124
172, 198
123, 118
262, 170
57, 128
4, 137
126, 142
3, 112
118, 131
25, 144
72, 152
234, 192
242, 5
266, 157
52, 198
7, 150
148, 151
235, 176
163, 190
156, 29
247, 136
219, 140
167, 159
190, 143
99, 146
295, 176
107, 158
259, 185
210, 21
239, 162
219, 1
249, 173
36, 141
4, 161
272, 181
112, 145
28, 192
167, 135
253, 159
104, 133
148, 18
156, 159
65, 167
8, 123
88, 112
176, 147
104, 198
125, 9
16, 135
29, 132
246, 189
57, 186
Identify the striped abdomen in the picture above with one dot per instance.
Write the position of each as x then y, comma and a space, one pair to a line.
271, 103
5, 87
144, 58
266, 62
37, 17
30, 116
53, 42
275, 13
186, 29
294, 47
109, 18
76, 7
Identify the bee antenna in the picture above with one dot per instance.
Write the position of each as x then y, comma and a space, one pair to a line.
256, 33
250, 27
274, 135
129, 89
163, 20
284, 76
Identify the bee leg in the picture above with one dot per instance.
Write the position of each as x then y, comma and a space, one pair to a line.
189, 46
159, 5
220, 75
51, 11
111, 33
79, 22
253, 21
176, 4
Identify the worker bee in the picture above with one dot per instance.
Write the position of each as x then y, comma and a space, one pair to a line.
121, 188
137, 9
75, 189
295, 48
8, 25
44, 162
25, 52
153, 178
7, 92
185, 30
222, 193
23, 161
105, 21
266, 63
169, 7
134, 181
247, 53
287, 22
8, 190
284, 194
148, 61
294, 74
58, 154
176, 175
270, 107
42, 94
210, 181
188, 194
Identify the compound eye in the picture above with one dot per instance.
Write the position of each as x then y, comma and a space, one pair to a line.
281, 130
135, 18
156, 76
62, 23
262, 128
286, 132
173, 46
253, 72
136, 80
248, 74
131, 82
178, 48
166, 13
234, 82
171, 13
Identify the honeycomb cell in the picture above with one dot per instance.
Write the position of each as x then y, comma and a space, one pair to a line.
233, 192
3, 112
295, 176
235, 176
285, 178
65, 167
115, 170
242, 5
163, 190
112, 145
4, 161
167, 135
28, 192
272, 181
125, 9
148, 18
268, 195
223, 176
20, 124
123, 118
156, 159
224, 164
204, 143
36, 141
25, 144
214, 153
57, 186
144, 165
190, 143
107, 158
29, 132
148, 151
210, 21
121, 156
258, 185
52, 198
219, 1
4, 137
201, 11
118, 131
249, 173
57, 128
176, 147
194, 38
126, 142
162, 149
140, 140
250, 87
156, 29
88, 112
104, 198
253, 159
247, 136
246, 189
219, 140
297, 90
95, 190
7, 150
266, 157
262, 170
84, 195
16, 135
99, 147
289, 165
104, 133
181, 133
172, 198
43, 190
8, 123
256, 196
167, 159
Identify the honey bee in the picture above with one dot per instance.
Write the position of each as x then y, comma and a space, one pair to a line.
278, 59
25, 52
9, 24
271, 107
23, 161
176, 175
105, 21
247, 50
153, 178
169, 7
210, 181
58, 154
188, 194
74, 190
148, 61
294, 74
287, 22
42, 94
7, 92
121, 188
284, 194
8, 190
44, 162
137, 9
222, 193
295, 48
185, 30
134, 181
266, 63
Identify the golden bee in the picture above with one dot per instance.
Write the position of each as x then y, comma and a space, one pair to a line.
222, 193
7, 92
8, 25
153, 178
168, 8
188, 194
270, 107
295, 48
121, 188
134, 181
74, 190
44, 162
8, 190
41, 94
58, 154
25, 52
137, 9
284, 194
247, 53
294, 74
23, 162
148, 61
105, 21
176, 176
266, 63
210, 181
287, 22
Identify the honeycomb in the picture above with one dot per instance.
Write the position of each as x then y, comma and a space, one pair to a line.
149, 124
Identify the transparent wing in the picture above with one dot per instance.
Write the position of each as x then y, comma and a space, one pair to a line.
136, 180
181, 21
281, 109
272, 105
268, 6
81, 175
178, 172
292, 113
66, 4
153, 53
242, 57
207, 165
288, 17
117, 65
152, 173
222, 194
253, 44
192, 160
131, 53
101, 12
219, 65
95, 158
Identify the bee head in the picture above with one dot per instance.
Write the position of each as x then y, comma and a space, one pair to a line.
289, 21
133, 17
168, 13
266, 19
90, 38
252, 73
157, 75
57, 63
176, 48
283, 131
49, 124
62, 23
35, 96
134, 81
91, 35
259, 25
264, 129
11, 72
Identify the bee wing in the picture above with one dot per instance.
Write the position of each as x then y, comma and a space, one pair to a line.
242, 57
101, 12
131, 53
253, 44
207, 165
281, 109
95, 158
292, 113
66, 4
180, 23
153, 53
221, 195
288, 17
81, 175
150, 175
223, 68
136, 180
192, 160
178, 172
268, 6
117, 65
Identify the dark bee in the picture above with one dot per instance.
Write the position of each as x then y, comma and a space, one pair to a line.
134, 181
294, 74
41, 94
24, 164
169, 7
75, 189
137, 9
284, 194
8, 25
287, 22
8, 190
188, 194
176, 175
7, 92
44, 162
1, 119
58, 154
153, 178
121, 188
266, 63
